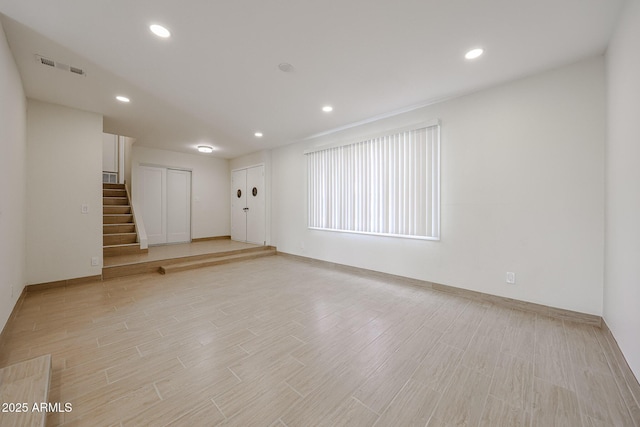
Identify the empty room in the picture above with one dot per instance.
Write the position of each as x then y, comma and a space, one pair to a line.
339, 213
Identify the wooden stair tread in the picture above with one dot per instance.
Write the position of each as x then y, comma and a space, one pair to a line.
26, 382
122, 249
116, 210
128, 227
123, 245
216, 260
121, 238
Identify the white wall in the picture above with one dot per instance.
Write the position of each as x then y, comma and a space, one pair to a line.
109, 152
622, 245
522, 191
128, 147
253, 159
210, 180
13, 169
64, 171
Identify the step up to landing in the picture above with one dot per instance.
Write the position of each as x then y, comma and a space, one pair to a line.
129, 268
217, 260
25, 384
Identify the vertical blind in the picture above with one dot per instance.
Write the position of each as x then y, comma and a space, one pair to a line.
387, 185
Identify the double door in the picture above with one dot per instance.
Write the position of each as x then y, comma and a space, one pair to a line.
165, 196
247, 205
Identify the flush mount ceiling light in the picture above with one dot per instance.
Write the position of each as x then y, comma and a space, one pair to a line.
258, 134
160, 31
474, 53
327, 108
123, 99
205, 149
285, 67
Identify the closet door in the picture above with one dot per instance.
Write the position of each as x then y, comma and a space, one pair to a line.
153, 196
247, 205
239, 205
255, 205
178, 206
166, 204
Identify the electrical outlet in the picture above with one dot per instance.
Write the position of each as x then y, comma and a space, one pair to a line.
85, 209
511, 278
95, 261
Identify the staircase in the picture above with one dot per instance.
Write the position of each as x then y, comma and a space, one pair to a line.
119, 235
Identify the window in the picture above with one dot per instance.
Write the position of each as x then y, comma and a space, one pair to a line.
386, 185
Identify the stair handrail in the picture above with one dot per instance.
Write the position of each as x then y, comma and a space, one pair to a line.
140, 230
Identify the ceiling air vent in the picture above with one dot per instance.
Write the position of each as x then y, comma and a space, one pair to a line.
77, 70
45, 61
59, 65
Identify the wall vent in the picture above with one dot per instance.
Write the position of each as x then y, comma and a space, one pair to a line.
45, 61
60, 65
76, 70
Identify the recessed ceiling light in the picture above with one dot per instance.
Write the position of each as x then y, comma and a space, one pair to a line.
327, 108
474, 53
205, 149
258, 134
160, 31
123, 99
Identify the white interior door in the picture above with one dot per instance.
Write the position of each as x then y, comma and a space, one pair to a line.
152, 194
247, 205
255, 205
178, 206
166, 204
239, 205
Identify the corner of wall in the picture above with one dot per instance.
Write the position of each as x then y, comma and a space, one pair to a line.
64, 173
13, 169
622, 177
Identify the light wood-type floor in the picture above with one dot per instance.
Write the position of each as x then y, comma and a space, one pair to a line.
280, 342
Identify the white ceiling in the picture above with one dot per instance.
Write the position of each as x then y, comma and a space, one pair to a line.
216, 80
